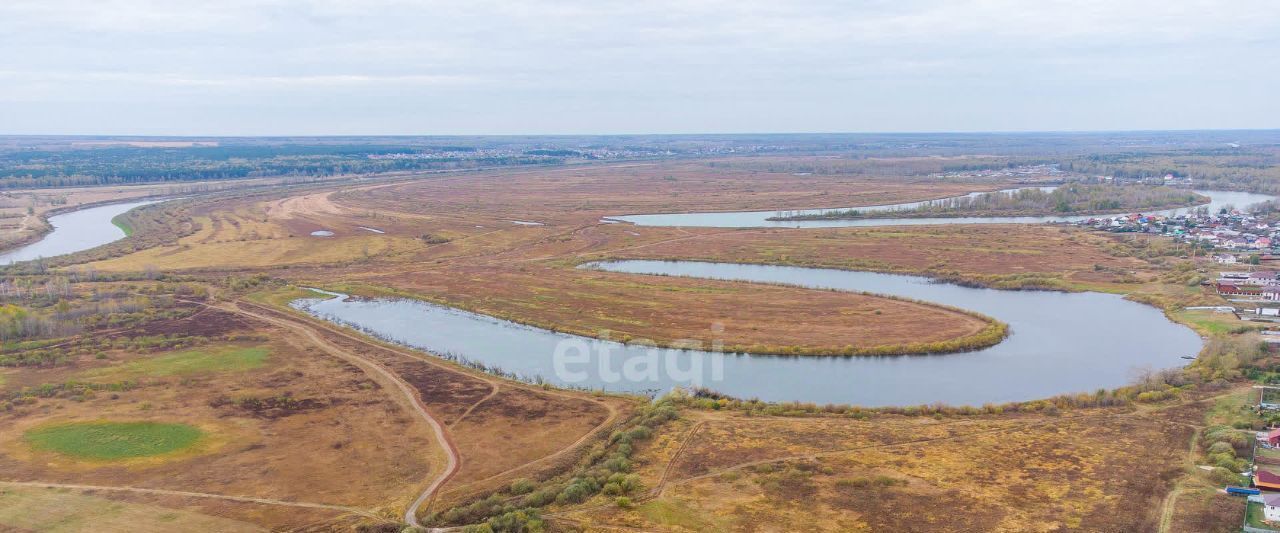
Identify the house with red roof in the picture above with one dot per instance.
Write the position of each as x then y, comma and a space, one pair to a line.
1273, 438
1266, 480
1231, 289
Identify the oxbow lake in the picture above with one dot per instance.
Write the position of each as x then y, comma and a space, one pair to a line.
754, 219
1059, 343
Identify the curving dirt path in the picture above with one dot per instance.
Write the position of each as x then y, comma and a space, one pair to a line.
572, 447
496, 389
408, 397
309, 330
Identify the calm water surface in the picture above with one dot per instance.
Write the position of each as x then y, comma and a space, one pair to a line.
751, 219
1059, 343
75, 231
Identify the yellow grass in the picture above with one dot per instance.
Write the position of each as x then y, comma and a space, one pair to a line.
59, 510
257, 253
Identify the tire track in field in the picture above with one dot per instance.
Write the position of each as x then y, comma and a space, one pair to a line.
452, 462
307, 324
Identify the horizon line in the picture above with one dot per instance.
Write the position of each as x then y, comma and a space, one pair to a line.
649, 134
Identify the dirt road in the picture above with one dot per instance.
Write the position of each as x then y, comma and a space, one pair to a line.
408, 398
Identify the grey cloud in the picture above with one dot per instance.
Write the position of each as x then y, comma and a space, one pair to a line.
387, 66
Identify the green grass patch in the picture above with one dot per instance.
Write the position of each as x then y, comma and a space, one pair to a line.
1267, 453
188, 362
1254, 517
282, 297
113, 441
1211, 323
1235, 410
675, 513
122, 222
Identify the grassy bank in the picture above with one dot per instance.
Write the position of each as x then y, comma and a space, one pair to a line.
1067, 200
991, 334
122, 222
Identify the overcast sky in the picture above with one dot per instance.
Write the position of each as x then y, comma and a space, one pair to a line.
242, 67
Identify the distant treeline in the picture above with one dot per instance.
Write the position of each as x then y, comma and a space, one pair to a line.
1070, 199
1254, 169
123, 165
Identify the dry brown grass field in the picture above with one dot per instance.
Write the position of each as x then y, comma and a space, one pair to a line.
274, 429
24, 212
352, 437
1092, 470
453, 240
295, 436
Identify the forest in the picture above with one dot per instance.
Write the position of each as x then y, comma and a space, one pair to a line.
126, 165
1252, 169
42, 161
1070, 199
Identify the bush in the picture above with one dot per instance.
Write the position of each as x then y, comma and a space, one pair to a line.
577, 492
1222, 448
603, 469
433, 239
523, 486
1225, 434
618, 464
539, 498
1226, 460
521, 521
1223, 476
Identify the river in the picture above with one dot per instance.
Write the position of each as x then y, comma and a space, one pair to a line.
1058, 343
754, 219
75, 231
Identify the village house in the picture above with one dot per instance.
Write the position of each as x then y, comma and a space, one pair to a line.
1266, 480
1231, 289
1272, 438
1260, 278
1271, 507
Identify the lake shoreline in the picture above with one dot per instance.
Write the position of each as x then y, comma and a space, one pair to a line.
992, 333
1123, 334
907, 213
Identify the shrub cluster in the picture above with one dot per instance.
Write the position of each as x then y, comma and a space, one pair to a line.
1223, 447
605, 470
72, 390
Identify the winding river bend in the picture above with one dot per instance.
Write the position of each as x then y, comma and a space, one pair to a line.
1059, 343
760, 219
75, 231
